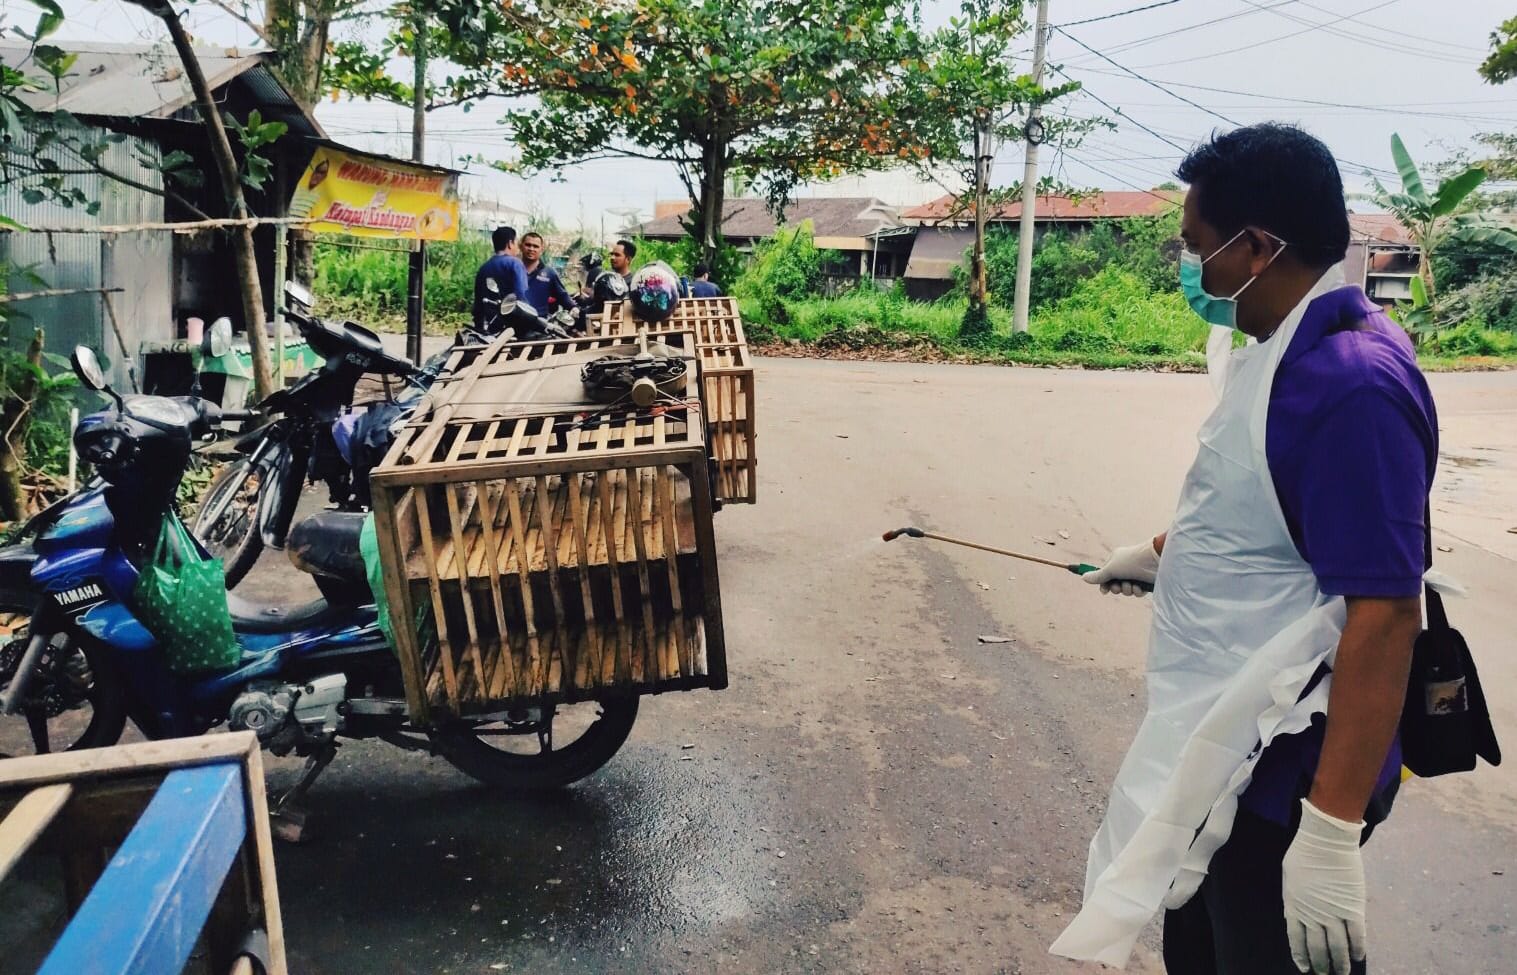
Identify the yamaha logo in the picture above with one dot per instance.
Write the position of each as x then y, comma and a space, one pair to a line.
70, 598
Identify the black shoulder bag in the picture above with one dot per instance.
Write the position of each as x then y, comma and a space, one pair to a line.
1445, 725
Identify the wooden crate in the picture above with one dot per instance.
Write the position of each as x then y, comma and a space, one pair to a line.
715, 321
165, 854
728, 385
550, 554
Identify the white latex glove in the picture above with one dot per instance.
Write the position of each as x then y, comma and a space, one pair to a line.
1324, 893
1125, 566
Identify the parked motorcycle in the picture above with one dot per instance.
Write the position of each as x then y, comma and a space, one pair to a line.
251, 502
602, 287
75, 663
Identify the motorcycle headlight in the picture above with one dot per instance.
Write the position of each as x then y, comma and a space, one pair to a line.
157, 411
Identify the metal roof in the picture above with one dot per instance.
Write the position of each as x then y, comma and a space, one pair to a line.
1378, 228
147, 81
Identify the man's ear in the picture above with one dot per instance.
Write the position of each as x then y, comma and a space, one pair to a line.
1261, 247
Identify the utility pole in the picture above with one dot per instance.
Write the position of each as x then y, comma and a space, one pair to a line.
1026, 224
416, 284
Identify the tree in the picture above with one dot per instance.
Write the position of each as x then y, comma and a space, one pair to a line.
1500, 65
254, 133
973, 65
787, 91
1435, 219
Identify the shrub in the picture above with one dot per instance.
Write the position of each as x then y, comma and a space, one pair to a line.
369, 283
1148, 247
1114, 310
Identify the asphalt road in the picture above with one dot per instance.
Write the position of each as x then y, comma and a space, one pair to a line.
880, 791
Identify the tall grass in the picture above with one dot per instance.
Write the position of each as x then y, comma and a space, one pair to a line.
370, 284
1111, 318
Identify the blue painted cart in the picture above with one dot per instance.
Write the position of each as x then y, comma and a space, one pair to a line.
192, 872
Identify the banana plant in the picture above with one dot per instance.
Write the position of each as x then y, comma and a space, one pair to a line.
1434, 219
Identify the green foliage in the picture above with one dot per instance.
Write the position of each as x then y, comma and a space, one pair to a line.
1146, 247
1438, 220
370, 284
684, 254
1109, 319
1113, 311
975, 327
253, 135
786, 267
1488, 298
787, 91
1472, 338
1501, 64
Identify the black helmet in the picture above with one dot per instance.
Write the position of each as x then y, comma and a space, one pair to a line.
654, 291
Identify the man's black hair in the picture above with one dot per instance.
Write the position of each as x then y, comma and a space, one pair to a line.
503, 237
628, 248
532, 233
702, 269
1275, 177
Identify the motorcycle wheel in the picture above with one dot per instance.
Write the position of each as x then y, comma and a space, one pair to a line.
597, 734
74, 700
234, 539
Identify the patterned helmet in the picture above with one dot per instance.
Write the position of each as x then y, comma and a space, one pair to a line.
654, 292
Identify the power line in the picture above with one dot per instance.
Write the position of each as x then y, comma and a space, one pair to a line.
1120, 113
1120, 13
1396, 33
1215, 114
1147, 81
1125, 182
1140, 41
1401, 109
1374, 42
1271, 40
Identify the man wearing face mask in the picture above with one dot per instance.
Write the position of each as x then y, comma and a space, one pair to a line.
1286, 595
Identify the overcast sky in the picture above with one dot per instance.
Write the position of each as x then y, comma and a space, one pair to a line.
1382, 66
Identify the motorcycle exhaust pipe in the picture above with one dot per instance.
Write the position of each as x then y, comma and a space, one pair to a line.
11, 701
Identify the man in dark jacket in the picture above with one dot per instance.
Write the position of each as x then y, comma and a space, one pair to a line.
545, 289
509, 275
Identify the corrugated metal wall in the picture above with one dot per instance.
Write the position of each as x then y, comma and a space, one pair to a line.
140, 263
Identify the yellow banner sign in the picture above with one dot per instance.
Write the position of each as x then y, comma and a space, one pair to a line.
346, 192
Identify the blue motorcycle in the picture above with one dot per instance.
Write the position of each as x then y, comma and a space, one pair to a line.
75, 663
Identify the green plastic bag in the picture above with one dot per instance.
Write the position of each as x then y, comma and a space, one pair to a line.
181, 599
368, 547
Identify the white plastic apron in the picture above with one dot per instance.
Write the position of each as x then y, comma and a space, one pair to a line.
1239, 629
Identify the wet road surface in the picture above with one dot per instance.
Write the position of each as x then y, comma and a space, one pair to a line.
879, 790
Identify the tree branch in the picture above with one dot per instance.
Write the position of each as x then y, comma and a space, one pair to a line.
256, 28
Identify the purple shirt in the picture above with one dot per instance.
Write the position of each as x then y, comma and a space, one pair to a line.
1352, 445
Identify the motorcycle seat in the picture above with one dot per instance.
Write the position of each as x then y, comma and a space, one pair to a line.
249, 617
326, 544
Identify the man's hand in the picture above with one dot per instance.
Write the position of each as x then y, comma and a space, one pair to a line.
1126, 566
1324, 893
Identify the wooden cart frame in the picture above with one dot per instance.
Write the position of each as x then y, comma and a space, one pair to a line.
520, 525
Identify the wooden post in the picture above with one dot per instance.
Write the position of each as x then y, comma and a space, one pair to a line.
416, 278
231, 187
126, 354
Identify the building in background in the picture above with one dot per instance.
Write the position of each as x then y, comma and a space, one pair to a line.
858, 228
139, 91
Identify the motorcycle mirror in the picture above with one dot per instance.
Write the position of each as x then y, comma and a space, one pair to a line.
300, 294
492, 286
507, 306
87, 368
218, 338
